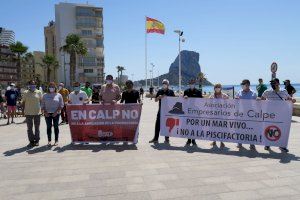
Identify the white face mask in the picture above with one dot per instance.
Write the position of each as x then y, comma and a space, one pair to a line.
109, 81
192, 86
51, 90
60, 87
218, 90
165, 86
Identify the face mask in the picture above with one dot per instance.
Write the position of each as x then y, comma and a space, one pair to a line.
109, 82
165, 86
51, 89
12, 87
192, 86
273, 86
76, 89
218, 90
60, 87
244, 87
32, 87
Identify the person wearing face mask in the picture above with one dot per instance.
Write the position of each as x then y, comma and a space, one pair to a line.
52, 104
165, 91
78, 96
32, 109
246, 93
65, 95
192, 92
11, 97
87, 89
109, 93
218, 94
130, 95
277, 94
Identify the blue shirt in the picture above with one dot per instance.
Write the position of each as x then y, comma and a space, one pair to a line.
11, 97
246, 95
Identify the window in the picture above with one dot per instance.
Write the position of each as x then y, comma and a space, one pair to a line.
99, 42
88, 70
84, 12
86, 32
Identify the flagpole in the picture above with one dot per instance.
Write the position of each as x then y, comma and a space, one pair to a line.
146, 68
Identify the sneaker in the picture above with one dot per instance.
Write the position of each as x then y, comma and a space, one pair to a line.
153, 141
222, 145
12, 122
55, 143
194, 143
188, 143
213, 143
239, 146
285, 150
36, 144
7, 123
49, 144
252, 147
267, 148
167, 140
30, 145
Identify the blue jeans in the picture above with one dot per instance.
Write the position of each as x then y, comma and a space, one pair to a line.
49, 121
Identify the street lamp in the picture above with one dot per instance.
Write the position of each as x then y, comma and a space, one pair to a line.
152, 73
180, 39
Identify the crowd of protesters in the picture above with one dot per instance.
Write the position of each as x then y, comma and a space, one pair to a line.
52, 104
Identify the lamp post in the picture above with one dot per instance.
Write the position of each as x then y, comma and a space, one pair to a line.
180, 39
152, 73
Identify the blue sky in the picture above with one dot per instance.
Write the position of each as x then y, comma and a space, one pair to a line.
236, 39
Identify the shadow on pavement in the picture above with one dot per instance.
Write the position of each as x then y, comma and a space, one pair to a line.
39, 149
282, 157
16, 151
96, 147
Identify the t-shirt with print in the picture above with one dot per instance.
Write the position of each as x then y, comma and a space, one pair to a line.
11, 97
108, 93
52, 102
79, 98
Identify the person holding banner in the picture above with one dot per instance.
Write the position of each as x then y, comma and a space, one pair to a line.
130, 95
78, 96
165, 91
246, 93
52, 104
277, 94
218, 94
110, 93
194, 93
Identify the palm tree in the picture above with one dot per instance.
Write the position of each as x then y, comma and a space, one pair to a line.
74, 46
19, 49
201, 78
48, 62
118, 70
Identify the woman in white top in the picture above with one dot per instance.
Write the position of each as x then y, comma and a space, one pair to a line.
218, 94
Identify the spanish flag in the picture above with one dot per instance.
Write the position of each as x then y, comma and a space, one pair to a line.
154, 26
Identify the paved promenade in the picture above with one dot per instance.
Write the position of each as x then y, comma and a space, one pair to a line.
144, 171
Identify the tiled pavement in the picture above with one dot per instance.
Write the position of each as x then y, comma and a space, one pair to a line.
144, 171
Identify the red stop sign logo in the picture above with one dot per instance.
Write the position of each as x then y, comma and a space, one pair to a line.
272, 133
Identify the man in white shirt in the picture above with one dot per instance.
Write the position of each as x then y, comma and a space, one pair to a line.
78, 97
277, 94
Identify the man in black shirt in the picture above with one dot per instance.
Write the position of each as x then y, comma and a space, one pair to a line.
194, 93
159, 95
289, 88
130, 95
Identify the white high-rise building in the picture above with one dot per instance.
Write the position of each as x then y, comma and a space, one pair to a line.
86, 21
7, 37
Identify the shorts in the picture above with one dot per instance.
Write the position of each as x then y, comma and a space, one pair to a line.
11, 108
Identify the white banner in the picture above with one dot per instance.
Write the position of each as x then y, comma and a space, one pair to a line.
240, 121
